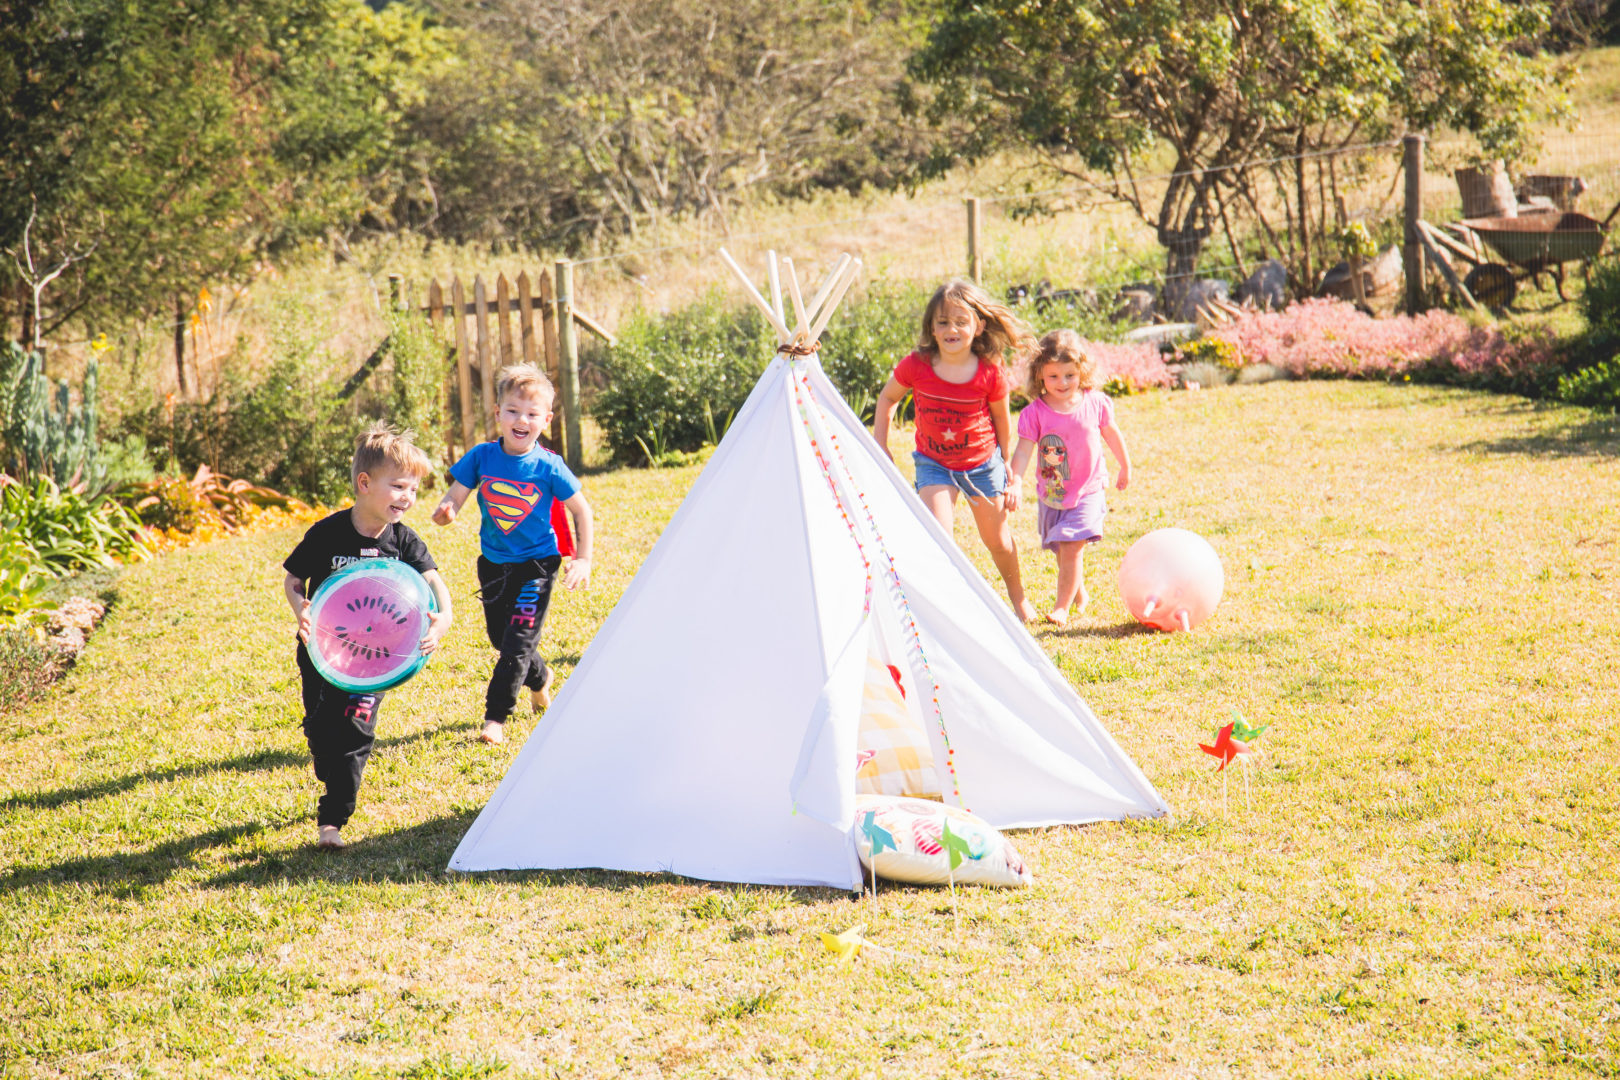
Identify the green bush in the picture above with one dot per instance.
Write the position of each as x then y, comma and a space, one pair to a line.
1600, 303
286, 427
66, 531
867, 336
675, 381
421, 367
23, 579
1597, 386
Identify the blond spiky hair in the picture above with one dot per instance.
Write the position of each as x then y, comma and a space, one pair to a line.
524, 380
382, 444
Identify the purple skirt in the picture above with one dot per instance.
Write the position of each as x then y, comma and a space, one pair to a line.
1081, 522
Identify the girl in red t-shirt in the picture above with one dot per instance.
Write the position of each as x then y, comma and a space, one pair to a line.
964, 425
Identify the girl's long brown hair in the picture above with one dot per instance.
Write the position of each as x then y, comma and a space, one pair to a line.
1060, 347
1002, 335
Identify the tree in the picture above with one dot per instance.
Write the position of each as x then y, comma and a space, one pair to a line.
573, 120
187, 141
1199, 90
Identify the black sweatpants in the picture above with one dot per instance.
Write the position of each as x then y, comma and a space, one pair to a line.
340, 728
516, 596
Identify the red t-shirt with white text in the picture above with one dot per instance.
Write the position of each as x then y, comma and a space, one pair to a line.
953, 419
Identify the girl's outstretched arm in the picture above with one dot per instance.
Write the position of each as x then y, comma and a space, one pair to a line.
1015, 473
450, 505
890, 396
1116, 444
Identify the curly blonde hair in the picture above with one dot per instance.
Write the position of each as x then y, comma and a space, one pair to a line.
1061, 347
1001, 334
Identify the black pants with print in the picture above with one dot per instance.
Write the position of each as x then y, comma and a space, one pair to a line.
340, 728
516, 596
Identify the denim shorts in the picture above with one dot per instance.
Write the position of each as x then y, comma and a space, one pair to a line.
987, 480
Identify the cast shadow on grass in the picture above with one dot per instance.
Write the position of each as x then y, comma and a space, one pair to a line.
419, 854
1128, 628
257, 761
127, 874
1595, 436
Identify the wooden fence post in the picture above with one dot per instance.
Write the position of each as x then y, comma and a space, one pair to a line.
1412, 245
526, 320
552, 353
434, 310
464, 359
503, 308
486, 373
975, 241
568, 361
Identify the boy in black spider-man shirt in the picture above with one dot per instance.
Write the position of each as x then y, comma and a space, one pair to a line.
341, 726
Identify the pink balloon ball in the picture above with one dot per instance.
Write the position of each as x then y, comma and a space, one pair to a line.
1171, 579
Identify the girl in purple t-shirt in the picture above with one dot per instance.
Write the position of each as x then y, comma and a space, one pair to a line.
1064, 429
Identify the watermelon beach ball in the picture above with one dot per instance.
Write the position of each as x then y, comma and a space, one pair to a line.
367, 622
1171, 579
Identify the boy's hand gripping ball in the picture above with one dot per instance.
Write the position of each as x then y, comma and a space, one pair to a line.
1171, 579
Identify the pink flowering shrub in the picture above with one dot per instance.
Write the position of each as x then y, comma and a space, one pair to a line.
1331, 339
1120, 368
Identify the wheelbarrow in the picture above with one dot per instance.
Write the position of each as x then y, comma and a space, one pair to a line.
1530, 244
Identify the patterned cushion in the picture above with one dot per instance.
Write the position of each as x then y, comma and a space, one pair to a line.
907, 840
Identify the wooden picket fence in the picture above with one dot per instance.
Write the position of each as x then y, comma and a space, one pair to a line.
524, 321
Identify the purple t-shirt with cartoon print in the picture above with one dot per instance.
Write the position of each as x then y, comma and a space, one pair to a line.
1068, 447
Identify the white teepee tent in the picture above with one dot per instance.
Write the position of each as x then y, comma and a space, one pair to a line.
713, 724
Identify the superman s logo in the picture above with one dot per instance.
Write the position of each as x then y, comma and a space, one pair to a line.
508, 502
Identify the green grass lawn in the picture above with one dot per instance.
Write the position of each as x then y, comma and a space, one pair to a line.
1421, 603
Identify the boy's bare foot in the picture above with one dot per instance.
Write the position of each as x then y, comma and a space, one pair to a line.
1026, 611
328, 838
494, 733
1058, 617
541, 699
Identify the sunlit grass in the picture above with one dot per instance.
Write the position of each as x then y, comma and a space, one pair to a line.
1417, 880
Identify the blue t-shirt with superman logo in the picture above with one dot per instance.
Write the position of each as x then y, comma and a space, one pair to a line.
515, 493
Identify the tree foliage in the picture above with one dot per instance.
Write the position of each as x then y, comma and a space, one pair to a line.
568, 121
187, 141
1200, 89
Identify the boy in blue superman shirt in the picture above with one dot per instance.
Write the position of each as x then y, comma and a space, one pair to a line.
516, 479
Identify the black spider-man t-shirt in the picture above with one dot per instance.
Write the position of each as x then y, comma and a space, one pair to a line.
333, 543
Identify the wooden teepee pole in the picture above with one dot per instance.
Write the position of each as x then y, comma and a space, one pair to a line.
853, 268
827, 283
800, 324
782, 333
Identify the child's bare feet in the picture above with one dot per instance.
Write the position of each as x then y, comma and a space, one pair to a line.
1026, 611
494, 733
1058, 617
328, 838
541, 699
1082, 601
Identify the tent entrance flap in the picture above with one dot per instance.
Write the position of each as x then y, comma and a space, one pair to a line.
893, 753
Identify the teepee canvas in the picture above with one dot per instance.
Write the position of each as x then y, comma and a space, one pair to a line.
802, 629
